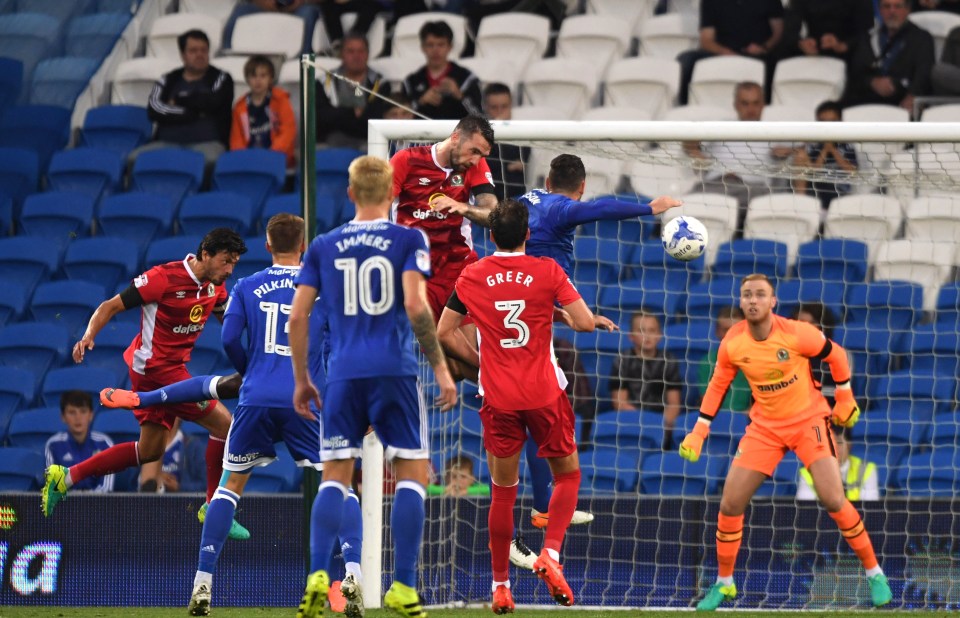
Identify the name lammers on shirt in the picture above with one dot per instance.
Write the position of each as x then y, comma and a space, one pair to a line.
365, 239
510, 276
271, 286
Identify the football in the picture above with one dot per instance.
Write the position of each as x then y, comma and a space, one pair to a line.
684, 238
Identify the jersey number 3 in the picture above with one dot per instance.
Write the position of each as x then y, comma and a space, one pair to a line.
512, 320
358, 285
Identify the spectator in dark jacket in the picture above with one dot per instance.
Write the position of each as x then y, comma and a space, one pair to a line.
946, 73
442, 89
832, 27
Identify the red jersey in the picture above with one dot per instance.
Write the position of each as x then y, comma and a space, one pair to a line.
510, 297
417, 176
176, 306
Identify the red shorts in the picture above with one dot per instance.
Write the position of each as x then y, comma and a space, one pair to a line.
165, 414
441, 285
552, 428
762, 448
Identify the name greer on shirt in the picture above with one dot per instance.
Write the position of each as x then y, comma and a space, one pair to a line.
510, 277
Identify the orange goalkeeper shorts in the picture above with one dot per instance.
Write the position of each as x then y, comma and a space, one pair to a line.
762, 448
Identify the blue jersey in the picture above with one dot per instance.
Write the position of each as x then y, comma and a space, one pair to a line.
554, 219
358, 270
63, 450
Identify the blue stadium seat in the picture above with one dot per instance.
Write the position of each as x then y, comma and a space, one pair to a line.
784, 479
70, 303
57, 9
117, 6
597, 260
348, 211
948, 306
668, 474
254, 260
926, 394
172, 172
12, 302
725, 432
92, 171
625, 230
30, 429
120, 128
89, 379
891, 433
43, 129
207, 351
930, 348
19, 175
688, 341
934, 473
630, 431
11, 82
20, 469
331, 166
328, 212
28, 38
106, 261
34, 346
6, 213
793, 292
27, 260
606, 469
59, 81
57, 216
703, 300
120, 425
255, 172
112, 342
599, 364
138, 217
655, 269
739, 258
832, 260
172, 249
17, 390
276, 204
202, 212
93, 36
891, 305
944, 430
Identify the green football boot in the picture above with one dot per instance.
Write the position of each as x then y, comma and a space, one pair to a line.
879, 590
717, 594
54, 488
237, 531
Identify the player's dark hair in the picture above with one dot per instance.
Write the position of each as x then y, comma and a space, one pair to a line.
509, 224
221, 239
285, 233
191, 34
255, 62
79, 399
829, 106
437, 28
758, 277
471, 125
566, 173
496, 88
731, 312
820, 313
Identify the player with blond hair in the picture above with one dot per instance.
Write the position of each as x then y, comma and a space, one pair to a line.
789, 413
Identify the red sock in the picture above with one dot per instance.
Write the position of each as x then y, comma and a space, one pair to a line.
214, 458
116, 458
563, 503
500, 525
729, 536
852, 529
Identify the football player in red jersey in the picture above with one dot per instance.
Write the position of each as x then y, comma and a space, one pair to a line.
176, 299
511, 298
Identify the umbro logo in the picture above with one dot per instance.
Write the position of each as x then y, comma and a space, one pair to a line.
209, 548
181, 294
424, 181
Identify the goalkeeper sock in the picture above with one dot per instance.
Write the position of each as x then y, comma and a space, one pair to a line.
500, 525
116, 458
540, 477
407, 522
216, 526
351, 532
199, 388
729, 535
852, 529
214, 459
325, 519
562, 505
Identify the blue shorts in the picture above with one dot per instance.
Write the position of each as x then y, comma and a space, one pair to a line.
392, 405
255, 429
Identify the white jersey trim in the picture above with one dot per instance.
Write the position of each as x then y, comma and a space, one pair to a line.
148, 324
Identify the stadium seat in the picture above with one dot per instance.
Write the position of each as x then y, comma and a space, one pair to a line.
930, 349
394, 69
697, 113
28, 38
948, 306
784, 479
17, 390
120, 128
172, 249
138, 217
794, 292
59, 81
933, 473
202, 212
494, 69
646, 83
34, 346
70, 303
607, 470
725, 432
90, 171
106, 261
688, 341
30, 429
933, 218
715, 78
941, 113
56, 9
276, 204
669, 35
134, 79
406, 33
893, 305
924, 394
938, 24
631, 432
12, 302
11, 82
807, 81
331, 165
653, 179
27, 261
786, 217
832, 260
612, 112
254, 260
220, 9
875, 155
120, 425
566, 84
633, 12
867, 218
57, 216
255, 173
162, 39
278, 477
926, 263
703, 300
43, 129
94, 36
112, 342
597, 259
6, 215
207, 351
603, 174
739, 258
667, 474
598, 39
537, 112
517, 38
787, 113
945, 430
171, 172
20, 469
89, 379
273, 34
718, 213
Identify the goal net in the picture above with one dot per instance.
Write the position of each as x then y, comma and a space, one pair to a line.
868, 249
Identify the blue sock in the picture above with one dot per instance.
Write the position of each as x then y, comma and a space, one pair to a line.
216, 526
351, 529
325, 520
407, 522
540, 477
186, 391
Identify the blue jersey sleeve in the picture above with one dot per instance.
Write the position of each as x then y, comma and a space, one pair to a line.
310, 268
234, 321
575, 213
418, 254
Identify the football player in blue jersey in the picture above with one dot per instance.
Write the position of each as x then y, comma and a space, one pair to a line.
371, 277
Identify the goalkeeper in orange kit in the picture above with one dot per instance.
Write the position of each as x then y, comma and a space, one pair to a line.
789, 413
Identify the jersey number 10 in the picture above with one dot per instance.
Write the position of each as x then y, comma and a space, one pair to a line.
358, 285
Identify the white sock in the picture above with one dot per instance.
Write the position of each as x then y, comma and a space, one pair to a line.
493, 587
68, 480
212, 388
203, 578
725, 581
874, 571
554, 554
353, 568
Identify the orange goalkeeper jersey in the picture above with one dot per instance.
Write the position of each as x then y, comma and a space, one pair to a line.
777, 369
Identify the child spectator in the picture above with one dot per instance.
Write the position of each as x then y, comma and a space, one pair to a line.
832, 160
263, 118
78, 443
459, 480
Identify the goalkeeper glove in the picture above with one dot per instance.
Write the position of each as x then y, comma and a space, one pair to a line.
846, 412
693, 442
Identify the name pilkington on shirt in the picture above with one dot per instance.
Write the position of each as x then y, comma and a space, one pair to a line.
271, 286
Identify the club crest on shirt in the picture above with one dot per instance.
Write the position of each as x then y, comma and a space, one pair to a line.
782, 355
140, 281
423, 260
456, 180
211, 289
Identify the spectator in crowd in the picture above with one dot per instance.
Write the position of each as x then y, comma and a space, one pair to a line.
191, 106
263, 118
738, 398
331, 10
459, 480
952, 6
307, 10
830, 28
859, 476
751, 28
343, 107
163, 475
506, 161
78, 443
646, 377
892, 63
945, 75
583, 399
442, 89
833, 158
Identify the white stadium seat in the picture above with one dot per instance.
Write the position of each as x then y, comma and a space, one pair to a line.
220, 9
655, 179
714, 79
274, 34
537, 112
808, 81
519, 38
925, 262
490, 70
665, 36
603, 175
162, 40
933, 218
875, 113
406, 34
876, 155
941, 113
787, 113
633, 12
395, 69
701, 113
134, 79
869, 218
569, 85
234, 66
597, 39
647, 83
932, 167
790, 218
717, 212
938, 24
616, 112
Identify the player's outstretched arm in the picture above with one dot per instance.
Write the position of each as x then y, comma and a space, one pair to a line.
478, 213
304, 390
103, 314
421, 319
581, 317
452, 339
